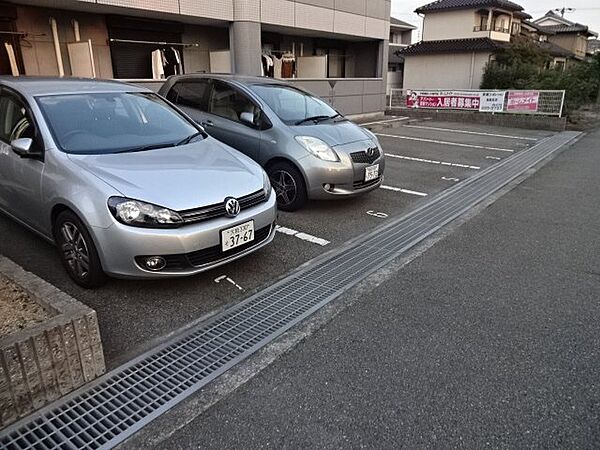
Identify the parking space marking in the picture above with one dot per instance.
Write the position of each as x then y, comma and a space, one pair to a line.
378, 214
404, 191
493, 157
450, 179
225, 277
478, 133
304, 236
432, 161
455, 144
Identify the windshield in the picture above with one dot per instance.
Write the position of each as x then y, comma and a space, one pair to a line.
292, 105
98, 123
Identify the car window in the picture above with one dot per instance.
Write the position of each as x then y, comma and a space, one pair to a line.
189, 93
15, 122
292, 105
114, 122
228, 102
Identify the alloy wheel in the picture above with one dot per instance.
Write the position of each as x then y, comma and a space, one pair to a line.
75, 250
285, 187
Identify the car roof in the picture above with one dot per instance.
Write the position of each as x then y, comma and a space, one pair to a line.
37, 86
243, 79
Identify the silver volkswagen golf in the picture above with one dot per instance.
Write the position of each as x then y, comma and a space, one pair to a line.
308, 149
124, 183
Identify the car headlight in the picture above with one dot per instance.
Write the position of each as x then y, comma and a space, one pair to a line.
266, 185
318, 148
141, 214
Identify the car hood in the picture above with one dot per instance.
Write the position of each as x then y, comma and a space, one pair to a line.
190, 176
333, 133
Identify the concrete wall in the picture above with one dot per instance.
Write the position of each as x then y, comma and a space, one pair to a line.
572, 42
349, 96
38, 48
445, 71
449, 25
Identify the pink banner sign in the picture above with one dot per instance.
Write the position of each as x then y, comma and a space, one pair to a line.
523, 101
450, 100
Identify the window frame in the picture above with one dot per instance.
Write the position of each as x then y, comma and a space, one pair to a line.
264, 122
38, 144
205, 98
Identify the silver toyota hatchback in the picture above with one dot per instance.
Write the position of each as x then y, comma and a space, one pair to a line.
308, 149
124, 183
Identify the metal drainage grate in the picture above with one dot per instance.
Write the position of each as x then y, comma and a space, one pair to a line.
115, 406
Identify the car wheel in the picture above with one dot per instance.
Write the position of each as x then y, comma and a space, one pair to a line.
77, 251
289, 186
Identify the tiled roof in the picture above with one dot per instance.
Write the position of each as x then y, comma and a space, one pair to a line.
451, 46
441, 5
555, 50
399, 23
575, 28
535, 26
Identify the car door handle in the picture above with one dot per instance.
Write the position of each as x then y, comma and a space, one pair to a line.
207, 123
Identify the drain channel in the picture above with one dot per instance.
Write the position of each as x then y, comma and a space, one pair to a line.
107, 411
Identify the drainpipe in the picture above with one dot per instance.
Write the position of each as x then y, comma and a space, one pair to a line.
76, 30
472, 73
59, 63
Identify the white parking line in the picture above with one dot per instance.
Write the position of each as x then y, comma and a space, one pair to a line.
493, 157
450, 179
432, 161
479, 133
304, 236
225, 277
456, 144
404, 191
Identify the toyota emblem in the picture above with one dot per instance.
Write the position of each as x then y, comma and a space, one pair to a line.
232, 207
370, 152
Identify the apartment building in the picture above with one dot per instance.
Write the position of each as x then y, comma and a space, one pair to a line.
571, 36
400, 38
459, 37
338, 49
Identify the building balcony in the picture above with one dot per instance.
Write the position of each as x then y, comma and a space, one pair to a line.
495, 33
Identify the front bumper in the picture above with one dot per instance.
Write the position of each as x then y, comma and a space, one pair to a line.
345, 178
189, 250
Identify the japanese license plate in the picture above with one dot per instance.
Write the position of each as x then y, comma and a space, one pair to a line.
236, 236
371, 172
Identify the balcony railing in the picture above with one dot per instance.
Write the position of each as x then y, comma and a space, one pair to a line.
485, 28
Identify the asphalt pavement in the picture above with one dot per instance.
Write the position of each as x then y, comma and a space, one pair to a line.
488, 339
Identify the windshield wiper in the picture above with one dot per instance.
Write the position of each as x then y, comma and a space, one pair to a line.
315, 119
188, 139
146, 147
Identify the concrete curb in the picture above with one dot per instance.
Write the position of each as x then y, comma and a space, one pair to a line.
48, 360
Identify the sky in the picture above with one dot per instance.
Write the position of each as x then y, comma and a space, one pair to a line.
586, 12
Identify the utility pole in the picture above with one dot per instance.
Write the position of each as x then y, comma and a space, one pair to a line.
563, 10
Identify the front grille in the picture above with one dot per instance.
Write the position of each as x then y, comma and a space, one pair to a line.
176, 263
218, 210
364, 184
364, 158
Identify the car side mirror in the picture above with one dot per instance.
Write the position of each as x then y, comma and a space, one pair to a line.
247, 117
23, 147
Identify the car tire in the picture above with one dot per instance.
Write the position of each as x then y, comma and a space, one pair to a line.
289, 186
77, 251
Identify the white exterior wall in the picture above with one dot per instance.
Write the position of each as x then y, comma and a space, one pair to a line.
449, 25
445, 71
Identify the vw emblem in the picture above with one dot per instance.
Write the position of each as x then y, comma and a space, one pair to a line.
232, 207
370, 152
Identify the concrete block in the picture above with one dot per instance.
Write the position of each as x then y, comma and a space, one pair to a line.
43, 362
